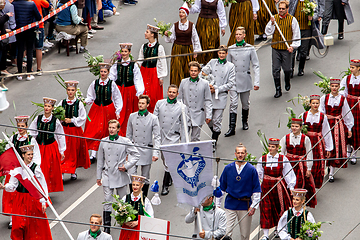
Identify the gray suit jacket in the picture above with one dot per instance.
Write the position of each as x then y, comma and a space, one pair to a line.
112, 156
86, 236
197, 97
241, 57
171, 121
141, 130
224, 80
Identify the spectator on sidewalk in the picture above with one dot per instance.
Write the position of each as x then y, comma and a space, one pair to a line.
9, 26
108, 9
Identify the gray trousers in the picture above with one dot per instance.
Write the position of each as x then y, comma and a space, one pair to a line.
108, 192
217, 117
234, 99
195, 133
233, 216
108, 13
145, 171
280, 59
330, 6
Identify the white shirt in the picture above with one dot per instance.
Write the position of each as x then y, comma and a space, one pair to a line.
183, 27
148, 207
138, 80
161, 66
335, 101
115, 95
60, 139
282, 225
37, 154
14, 183
290, 177
354, 80
196, 8
315, 118
270, 29
295, 140
81, 119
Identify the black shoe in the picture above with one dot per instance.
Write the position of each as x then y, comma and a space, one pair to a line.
292, 73
232, 125
340, 36
324, 29
278, 93
10, 225
331, 179
73, 176
102, 21
170, 180
245, 116
301, 66
353, 161
287, 80
307, 58
93, 160
301, 72
165, 191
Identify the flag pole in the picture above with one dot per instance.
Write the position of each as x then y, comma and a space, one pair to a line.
185, 123
36, 184
276, 25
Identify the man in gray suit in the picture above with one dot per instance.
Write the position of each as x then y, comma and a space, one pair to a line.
241, 54
195, 94
172, 129
143, 129
224, 79
112, 167
94, 233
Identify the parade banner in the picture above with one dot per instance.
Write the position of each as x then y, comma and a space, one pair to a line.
155, 225
191, 174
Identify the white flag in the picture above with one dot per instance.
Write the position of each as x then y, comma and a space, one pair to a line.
191, 174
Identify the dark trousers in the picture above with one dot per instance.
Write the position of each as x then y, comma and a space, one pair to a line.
304, 47
330, 6
3, 54
25, 41
280, 59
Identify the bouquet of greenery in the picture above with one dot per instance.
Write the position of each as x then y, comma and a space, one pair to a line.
292, 115
251, 159
124, 212
324, 84
227, 2
310, 231
163, 27
58, 111
304, 100
79, 95
309, 9
93, 63
191, 2
264, 143
2, 150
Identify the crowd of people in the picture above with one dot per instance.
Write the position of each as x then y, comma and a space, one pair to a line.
131, 117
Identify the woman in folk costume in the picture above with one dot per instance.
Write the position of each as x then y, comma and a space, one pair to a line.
296, 146
127, 76
351, 85
108, 103
263, 17
318, 127
291, 221
140, 203
26, 204
76, 154
212, 19
52, 145
336, 107
153, 71
20, 138
243, 13
271, 168
185, 39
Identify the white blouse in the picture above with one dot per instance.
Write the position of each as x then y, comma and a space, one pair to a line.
37, 154
59, 129
161, 66
148, 207
196, 8
354, 80
183, 27
115, 95
81, 119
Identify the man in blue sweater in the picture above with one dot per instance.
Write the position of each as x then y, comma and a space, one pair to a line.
240, 181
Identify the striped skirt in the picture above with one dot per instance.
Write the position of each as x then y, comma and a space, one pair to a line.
209, 35
241, 15
179, 68
263, 16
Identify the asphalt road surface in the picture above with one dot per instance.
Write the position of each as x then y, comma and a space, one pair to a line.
337, 202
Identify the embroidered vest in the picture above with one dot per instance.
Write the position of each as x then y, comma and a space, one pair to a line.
125, 75
70, 111
18, 144
336, 110
46, 138
20, 187
183, 37
285, 27
150, 52
103, 93
208, 10
295, 224
136, 205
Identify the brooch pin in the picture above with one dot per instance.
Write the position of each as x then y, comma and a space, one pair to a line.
238, 178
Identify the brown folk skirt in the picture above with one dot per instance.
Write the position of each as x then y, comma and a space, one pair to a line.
209, 35
179, 68
263, 16
241, 15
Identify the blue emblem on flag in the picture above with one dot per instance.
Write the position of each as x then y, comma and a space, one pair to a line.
190, 168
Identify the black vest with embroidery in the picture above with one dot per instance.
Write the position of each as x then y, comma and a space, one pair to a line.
125, 75
295, 224
46, 138
20, 187
150, 52
70, 111
136, 205
103, 93
18, 144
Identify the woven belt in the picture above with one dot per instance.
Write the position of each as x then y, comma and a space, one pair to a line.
338, 127
301, 165
280, 188
320, 144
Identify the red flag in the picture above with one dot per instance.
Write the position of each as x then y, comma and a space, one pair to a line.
8, 161
21, 176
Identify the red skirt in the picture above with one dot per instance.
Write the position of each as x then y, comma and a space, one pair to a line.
7, 198
152, 86
129, 235
76, 154
340, 138
318, 168
98, 126
29, 228
355, 139
130, 105
50, 166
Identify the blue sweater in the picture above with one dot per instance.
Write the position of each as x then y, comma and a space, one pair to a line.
245, 187
107, 5
26, 12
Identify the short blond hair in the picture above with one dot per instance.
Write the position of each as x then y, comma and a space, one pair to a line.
195, 64
241, 29
114, 121
223, 48
284, 2
95, 215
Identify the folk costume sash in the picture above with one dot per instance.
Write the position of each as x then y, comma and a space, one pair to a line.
103, 93
301, 150
46, 138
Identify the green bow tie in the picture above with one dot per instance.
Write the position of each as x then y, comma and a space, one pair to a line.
142, 112
171, 101
222, 61
240, 44
95, 234
208, 208
194, 80
113, 137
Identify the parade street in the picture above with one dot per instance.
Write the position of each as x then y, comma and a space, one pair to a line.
337, 202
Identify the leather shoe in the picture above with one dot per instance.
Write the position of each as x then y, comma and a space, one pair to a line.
287, 87
301, 72
165, 191
278, 94
245, 126
93, 160
341, 36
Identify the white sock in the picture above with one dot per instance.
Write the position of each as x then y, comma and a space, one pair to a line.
331, 173
349, 150
93, 154
266, 232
